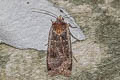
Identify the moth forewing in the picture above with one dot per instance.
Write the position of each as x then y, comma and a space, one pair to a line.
59, 52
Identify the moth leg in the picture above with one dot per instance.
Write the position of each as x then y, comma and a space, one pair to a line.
74, 42
75, 58
72, 26
74, 37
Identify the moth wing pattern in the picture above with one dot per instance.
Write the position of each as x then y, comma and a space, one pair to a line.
59, 53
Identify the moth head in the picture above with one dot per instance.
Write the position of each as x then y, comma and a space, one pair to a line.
60, 19
59, 26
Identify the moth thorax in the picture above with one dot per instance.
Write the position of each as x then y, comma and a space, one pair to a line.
59, 28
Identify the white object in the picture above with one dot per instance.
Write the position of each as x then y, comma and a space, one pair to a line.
22, 28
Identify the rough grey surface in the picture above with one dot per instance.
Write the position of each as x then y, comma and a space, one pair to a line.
22, 28
98, 56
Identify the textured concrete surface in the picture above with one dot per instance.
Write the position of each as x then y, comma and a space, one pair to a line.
98, 55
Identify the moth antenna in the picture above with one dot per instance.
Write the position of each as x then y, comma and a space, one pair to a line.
45, 13
48, 12
66, 15
71, 26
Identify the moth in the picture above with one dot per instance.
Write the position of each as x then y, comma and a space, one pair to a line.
59, 51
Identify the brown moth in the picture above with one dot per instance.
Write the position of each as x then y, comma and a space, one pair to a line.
59, 51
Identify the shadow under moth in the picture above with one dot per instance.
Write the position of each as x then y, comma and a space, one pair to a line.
59, 51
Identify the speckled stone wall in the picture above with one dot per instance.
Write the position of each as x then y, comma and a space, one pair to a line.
98, 55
